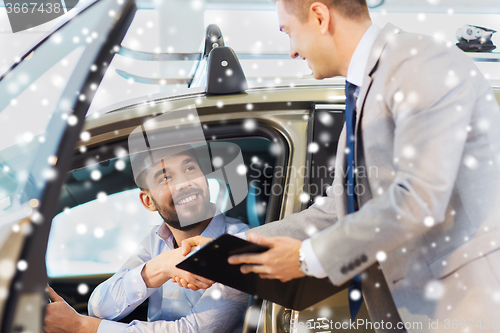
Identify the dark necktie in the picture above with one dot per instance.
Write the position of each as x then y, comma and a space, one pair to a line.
350, 120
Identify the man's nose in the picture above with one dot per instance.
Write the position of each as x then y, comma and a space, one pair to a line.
294, 54
182, 182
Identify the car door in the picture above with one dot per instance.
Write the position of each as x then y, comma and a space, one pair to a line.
44, 99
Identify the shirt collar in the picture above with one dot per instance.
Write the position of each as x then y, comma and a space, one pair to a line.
215, 228
359, 60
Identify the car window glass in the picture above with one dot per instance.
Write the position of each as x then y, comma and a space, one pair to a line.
20, 140
102, 222
325, 126
122, 80
31, 103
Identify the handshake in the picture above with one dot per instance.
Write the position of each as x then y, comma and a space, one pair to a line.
271, 264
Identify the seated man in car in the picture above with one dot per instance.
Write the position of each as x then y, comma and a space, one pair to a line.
176, 187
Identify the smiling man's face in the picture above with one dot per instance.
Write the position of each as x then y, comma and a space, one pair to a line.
179, 190
310, 38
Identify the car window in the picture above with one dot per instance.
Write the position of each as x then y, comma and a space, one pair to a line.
20, 141
325, 124
31, 103
102, 221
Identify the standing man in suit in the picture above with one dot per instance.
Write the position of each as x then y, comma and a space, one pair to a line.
423, 232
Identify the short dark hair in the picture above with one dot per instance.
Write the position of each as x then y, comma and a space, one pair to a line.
140, 179
352, 9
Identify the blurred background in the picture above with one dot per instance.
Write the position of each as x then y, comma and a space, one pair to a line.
170, 26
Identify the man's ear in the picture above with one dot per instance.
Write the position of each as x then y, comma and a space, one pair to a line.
322, 15
147, 200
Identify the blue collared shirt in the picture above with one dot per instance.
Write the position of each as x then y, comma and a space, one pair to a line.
171, 308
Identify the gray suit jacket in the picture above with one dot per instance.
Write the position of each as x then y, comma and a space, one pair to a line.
428, 184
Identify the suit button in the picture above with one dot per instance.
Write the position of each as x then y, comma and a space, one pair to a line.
343, 270
350, 266
357, 262
364, 258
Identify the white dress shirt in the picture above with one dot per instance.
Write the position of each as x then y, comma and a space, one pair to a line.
355, 75
171, 308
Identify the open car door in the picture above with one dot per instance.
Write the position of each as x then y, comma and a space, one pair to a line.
44, 99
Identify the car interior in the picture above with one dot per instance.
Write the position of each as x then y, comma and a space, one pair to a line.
100, 218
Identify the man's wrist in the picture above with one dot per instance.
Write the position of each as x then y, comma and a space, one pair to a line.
144, 275
151, 275
87, 324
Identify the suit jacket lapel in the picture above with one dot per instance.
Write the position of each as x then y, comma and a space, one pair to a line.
383, 38
385, 35
340, 165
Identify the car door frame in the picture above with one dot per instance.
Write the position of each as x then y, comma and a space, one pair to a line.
28, 286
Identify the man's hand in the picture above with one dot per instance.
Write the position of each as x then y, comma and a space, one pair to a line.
162, 268
190, 244
280, 262
62, 318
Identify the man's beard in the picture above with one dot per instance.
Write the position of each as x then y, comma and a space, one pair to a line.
172, 219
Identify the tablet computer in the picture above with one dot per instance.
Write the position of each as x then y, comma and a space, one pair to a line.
210, 261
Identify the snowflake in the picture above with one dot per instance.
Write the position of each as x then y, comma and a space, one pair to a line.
95, 175
409, 152
434, 290
399, 97
98, 233
83, 289
311, 230
250, 124
319, 200
381, 256
217, 162
216, 293
275, 149
325, 312
421, 17
304, 197
102, 197
22, 265
324, 137
241, 169
471, 162
355, 295
85, 136
429, 221
313, 148
81, 229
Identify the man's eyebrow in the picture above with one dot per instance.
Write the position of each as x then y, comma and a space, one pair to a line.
187, 160
164, 168
162, 171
